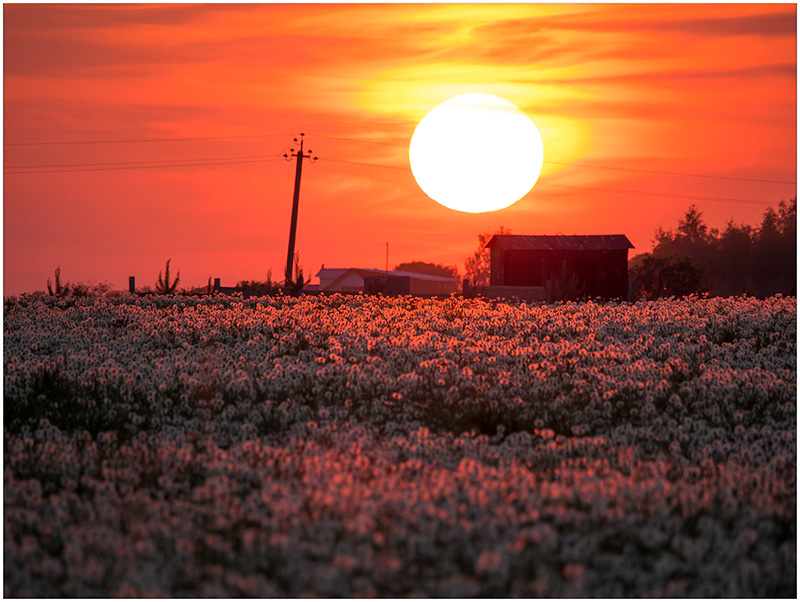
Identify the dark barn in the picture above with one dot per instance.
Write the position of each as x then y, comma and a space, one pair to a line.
591, 266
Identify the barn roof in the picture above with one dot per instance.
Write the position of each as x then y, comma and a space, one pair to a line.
588, 242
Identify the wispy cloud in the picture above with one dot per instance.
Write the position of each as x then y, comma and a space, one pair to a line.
708, 88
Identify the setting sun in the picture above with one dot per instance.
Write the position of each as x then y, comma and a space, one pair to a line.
476, 153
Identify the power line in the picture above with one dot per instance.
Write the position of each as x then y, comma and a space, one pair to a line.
658, 194
600, 189
653, 171
93, 167
672, 173
212, 161
365, 164
137, 140
138, 162
129, 167
359, 140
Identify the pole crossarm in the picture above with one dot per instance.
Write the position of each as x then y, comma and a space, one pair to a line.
299, 155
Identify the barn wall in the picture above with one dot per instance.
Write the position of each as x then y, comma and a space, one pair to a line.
496, 267
325, 280
524, 268
421, 286
386, 284
351, 282
601, 273
392, 284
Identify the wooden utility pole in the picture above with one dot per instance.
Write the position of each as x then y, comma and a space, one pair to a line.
295, 202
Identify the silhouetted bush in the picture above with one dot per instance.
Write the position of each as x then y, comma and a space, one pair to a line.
673, 276
431, 269
164, 286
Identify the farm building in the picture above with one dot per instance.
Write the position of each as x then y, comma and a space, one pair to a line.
554, 267
373, 281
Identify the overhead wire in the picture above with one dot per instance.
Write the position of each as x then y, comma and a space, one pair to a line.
631, 169
364, 141
672, 173
212, 161
358, 140
139, 162
364, 164
200, 163
143, 140
690, 197
600, 189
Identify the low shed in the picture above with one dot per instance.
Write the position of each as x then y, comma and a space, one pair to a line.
590, 265
372, 281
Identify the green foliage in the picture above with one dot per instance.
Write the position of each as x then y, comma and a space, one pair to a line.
431, 269
164, 286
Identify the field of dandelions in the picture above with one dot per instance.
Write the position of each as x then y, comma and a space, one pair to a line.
360, 446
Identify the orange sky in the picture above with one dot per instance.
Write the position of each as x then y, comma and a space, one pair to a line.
625, 96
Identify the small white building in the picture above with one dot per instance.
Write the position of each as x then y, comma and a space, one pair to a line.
396, 282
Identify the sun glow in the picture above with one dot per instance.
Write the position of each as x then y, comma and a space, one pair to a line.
476, 153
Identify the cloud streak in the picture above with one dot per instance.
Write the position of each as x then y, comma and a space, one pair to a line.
708, 88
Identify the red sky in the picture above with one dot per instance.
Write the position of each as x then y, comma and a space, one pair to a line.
626, 97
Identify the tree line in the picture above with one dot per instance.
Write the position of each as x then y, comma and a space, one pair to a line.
740, 259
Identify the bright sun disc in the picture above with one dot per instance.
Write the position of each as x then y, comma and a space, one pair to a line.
476, 153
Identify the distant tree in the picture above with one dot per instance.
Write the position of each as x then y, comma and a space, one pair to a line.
787, 249
663, 237
760, 260
691, 239
655, 277
692, 227
787, 218
771, 255
732, 267
431, 269
164, 286
478, 267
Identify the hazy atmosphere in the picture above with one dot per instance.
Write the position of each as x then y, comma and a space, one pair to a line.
134, 134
